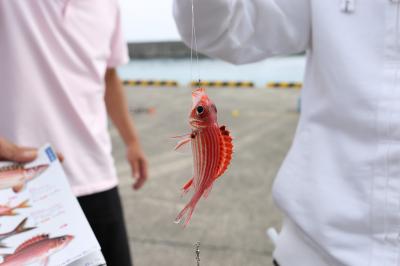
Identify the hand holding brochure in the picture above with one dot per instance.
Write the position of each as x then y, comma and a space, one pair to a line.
41, 221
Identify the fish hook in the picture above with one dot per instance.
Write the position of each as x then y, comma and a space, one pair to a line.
197, 252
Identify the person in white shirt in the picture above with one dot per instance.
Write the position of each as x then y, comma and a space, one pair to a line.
339, 186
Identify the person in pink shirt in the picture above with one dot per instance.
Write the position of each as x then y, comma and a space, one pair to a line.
59, 84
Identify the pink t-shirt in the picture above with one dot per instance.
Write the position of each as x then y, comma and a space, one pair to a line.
53, 58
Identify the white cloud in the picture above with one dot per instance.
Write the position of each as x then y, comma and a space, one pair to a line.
149, 20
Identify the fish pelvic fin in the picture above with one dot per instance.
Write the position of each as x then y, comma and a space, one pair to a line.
18, 188
187, 186
21, 227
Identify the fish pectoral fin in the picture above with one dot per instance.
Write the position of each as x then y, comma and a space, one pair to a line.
182, 143
18, 188
182, 136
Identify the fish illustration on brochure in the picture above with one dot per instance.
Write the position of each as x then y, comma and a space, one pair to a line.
37, 250
7, 210
20, 228
49, 228
16, 176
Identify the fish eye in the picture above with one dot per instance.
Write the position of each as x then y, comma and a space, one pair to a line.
200, 109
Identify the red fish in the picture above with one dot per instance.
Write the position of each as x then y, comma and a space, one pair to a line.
36, 250
6, 210
16, 176
212, 150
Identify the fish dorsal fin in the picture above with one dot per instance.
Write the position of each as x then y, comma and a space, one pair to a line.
6, 256
12, 167
226, 151
31, 242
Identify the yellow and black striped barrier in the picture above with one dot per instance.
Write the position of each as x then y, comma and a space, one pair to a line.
285, 85
151, 83
220, 84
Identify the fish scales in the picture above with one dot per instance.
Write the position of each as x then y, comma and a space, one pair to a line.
206, 147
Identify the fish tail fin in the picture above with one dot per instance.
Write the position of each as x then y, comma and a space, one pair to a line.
189, 208
181, 214
23, 204
11, 213
21, 227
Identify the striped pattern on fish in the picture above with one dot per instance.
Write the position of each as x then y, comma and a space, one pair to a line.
211, 149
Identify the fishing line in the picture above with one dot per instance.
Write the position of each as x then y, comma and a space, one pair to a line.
194, 41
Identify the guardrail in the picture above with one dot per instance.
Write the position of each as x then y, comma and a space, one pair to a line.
211, 84
151, 83
223, 84
284, 85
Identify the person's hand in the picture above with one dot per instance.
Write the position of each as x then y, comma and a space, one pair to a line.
14, 153
138, 162
11, 152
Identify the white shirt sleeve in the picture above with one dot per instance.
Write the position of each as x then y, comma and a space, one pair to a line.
244, 31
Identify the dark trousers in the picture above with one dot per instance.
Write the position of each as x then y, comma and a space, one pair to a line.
275, 263
104, 213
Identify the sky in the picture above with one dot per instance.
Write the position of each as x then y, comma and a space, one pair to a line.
148, 20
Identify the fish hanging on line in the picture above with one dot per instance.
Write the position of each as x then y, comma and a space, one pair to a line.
20, 228
212, 150
36, 250
16, 176
6, 210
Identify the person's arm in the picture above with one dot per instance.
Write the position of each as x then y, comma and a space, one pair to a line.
243, 31
117, 108
13, 153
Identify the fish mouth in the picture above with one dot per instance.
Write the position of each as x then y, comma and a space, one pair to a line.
196, 123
